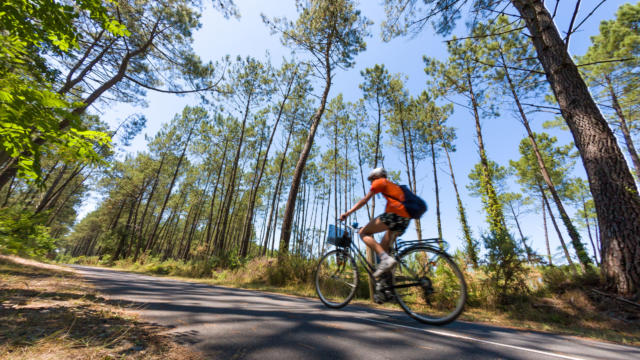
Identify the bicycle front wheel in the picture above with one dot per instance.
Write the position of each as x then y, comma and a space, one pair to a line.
336, 278
429, 286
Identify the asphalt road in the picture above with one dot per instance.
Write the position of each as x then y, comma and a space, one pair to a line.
226, 323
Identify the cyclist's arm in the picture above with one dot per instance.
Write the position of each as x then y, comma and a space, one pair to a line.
358, 205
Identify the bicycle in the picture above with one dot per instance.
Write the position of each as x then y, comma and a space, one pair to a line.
426, 282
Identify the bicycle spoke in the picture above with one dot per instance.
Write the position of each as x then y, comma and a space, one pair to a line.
429, 286
336, 278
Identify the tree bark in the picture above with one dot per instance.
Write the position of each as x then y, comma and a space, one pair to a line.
612, 185
302, 161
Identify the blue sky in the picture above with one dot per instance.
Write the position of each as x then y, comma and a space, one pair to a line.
249, 36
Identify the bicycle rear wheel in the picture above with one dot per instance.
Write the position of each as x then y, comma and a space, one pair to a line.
429, 286
336, 278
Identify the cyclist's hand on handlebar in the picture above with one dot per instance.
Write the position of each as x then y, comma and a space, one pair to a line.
343, 217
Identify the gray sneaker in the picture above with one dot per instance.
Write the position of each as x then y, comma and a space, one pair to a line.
384, 266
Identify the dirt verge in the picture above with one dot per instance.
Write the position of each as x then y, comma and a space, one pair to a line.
49, 312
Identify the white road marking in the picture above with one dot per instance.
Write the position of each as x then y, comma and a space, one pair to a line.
443, 333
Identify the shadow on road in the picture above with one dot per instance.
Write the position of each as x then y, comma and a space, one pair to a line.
239, 323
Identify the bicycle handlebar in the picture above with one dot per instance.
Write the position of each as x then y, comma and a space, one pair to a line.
353, 226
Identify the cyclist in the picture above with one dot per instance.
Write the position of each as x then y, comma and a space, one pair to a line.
394, 220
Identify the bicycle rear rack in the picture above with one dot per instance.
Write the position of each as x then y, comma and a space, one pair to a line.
403, 244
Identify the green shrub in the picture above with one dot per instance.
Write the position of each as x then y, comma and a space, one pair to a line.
290, 270
505, 270
22, 233
558, 279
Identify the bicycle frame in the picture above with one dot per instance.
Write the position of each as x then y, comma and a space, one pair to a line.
369, 268
398, 246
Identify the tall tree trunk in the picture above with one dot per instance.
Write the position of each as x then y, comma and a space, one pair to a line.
555, 225
522, 238
125, 232
47, 195
302, 161
196, 218
583, 257
319, 231
435, 180
586, 219
146, 206
462, 215
175, 213
225, 205
364, 190
135, 220
223, 161
70, 194
276, 195
173, 181
273, 238
114, 222
376, 157
612, 185
252, 201
546, 230
247, 227
413, 184
405, 152
314, 218
326, 223
493, 207
633, 154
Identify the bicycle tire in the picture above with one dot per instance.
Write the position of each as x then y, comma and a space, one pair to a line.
429, 286
336, 278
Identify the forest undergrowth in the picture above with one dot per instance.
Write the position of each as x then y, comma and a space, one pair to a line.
554, 299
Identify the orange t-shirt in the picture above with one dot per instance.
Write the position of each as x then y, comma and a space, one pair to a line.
391, 192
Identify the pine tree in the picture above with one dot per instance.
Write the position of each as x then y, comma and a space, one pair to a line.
332, 33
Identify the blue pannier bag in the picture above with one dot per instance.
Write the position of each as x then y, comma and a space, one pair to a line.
415, 206
340, 237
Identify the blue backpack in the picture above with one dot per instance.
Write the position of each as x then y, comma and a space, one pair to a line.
415, 206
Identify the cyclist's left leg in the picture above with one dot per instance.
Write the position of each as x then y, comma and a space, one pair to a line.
366, 234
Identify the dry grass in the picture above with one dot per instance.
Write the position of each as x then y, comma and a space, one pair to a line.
47, 312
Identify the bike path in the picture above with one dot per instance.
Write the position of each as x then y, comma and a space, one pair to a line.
228, 323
